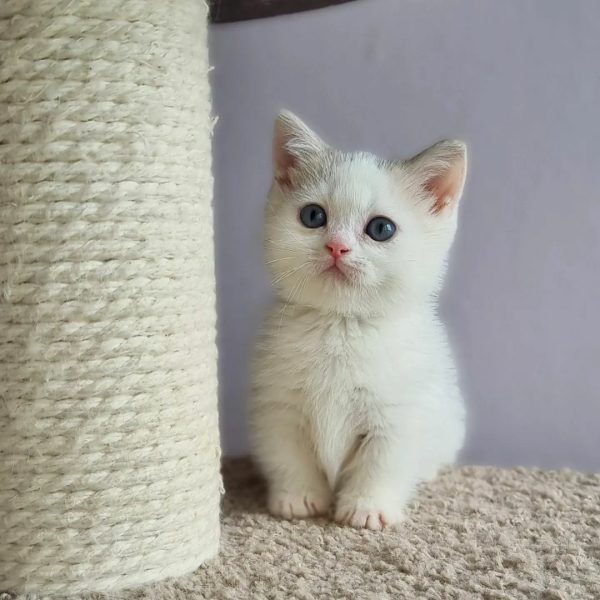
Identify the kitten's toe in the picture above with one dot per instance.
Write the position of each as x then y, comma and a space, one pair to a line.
299, 505
365, 517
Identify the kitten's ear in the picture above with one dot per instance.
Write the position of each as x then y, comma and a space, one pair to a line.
441, 171
293, 143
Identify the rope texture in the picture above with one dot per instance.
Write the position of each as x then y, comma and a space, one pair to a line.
109, 448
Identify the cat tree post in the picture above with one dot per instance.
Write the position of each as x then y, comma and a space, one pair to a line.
109, 449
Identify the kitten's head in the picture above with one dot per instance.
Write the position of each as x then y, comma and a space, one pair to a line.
353, 234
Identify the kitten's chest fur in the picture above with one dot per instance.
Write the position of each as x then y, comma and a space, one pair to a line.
343, 372
333, 376
324, 356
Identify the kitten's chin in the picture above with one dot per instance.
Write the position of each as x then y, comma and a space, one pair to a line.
341, 272
336, 289
337, 273
335, 294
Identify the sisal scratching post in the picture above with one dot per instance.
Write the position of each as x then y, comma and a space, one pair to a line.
109, 449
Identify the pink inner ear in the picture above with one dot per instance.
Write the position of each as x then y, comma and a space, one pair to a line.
283, 160
446, 186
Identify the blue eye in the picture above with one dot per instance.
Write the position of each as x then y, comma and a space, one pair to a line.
313, 216
380, 229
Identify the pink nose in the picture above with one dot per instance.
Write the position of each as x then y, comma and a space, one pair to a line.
336, 249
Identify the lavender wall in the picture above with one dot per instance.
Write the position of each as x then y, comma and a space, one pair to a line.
519, 81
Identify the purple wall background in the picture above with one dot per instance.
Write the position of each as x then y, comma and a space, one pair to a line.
519, 81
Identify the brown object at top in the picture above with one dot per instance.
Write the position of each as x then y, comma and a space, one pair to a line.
227, 11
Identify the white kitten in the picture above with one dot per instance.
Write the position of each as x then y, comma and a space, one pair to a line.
355, 397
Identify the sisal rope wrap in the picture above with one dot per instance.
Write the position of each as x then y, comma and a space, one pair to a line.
109, 448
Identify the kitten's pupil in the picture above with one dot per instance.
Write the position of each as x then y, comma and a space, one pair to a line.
313, 216
380, 229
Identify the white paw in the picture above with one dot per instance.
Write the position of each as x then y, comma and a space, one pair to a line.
366, 514
299, 505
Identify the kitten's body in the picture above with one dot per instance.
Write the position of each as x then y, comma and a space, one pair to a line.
354, 391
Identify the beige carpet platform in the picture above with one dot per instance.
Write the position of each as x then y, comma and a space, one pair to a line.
476, 532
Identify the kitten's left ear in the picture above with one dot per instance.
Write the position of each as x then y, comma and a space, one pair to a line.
294, 143
441, 171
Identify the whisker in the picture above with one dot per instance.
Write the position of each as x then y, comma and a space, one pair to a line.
289, 273
298, 287
270, 262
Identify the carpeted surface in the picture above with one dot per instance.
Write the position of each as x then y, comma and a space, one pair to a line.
476, 532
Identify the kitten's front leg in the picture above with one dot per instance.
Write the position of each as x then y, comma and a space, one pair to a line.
375, 485
297, 487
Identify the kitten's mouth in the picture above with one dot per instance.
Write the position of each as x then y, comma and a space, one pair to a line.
337, 271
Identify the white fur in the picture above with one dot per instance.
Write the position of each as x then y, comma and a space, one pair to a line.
355, 398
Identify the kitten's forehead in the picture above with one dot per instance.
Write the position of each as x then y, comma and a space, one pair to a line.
356, 182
